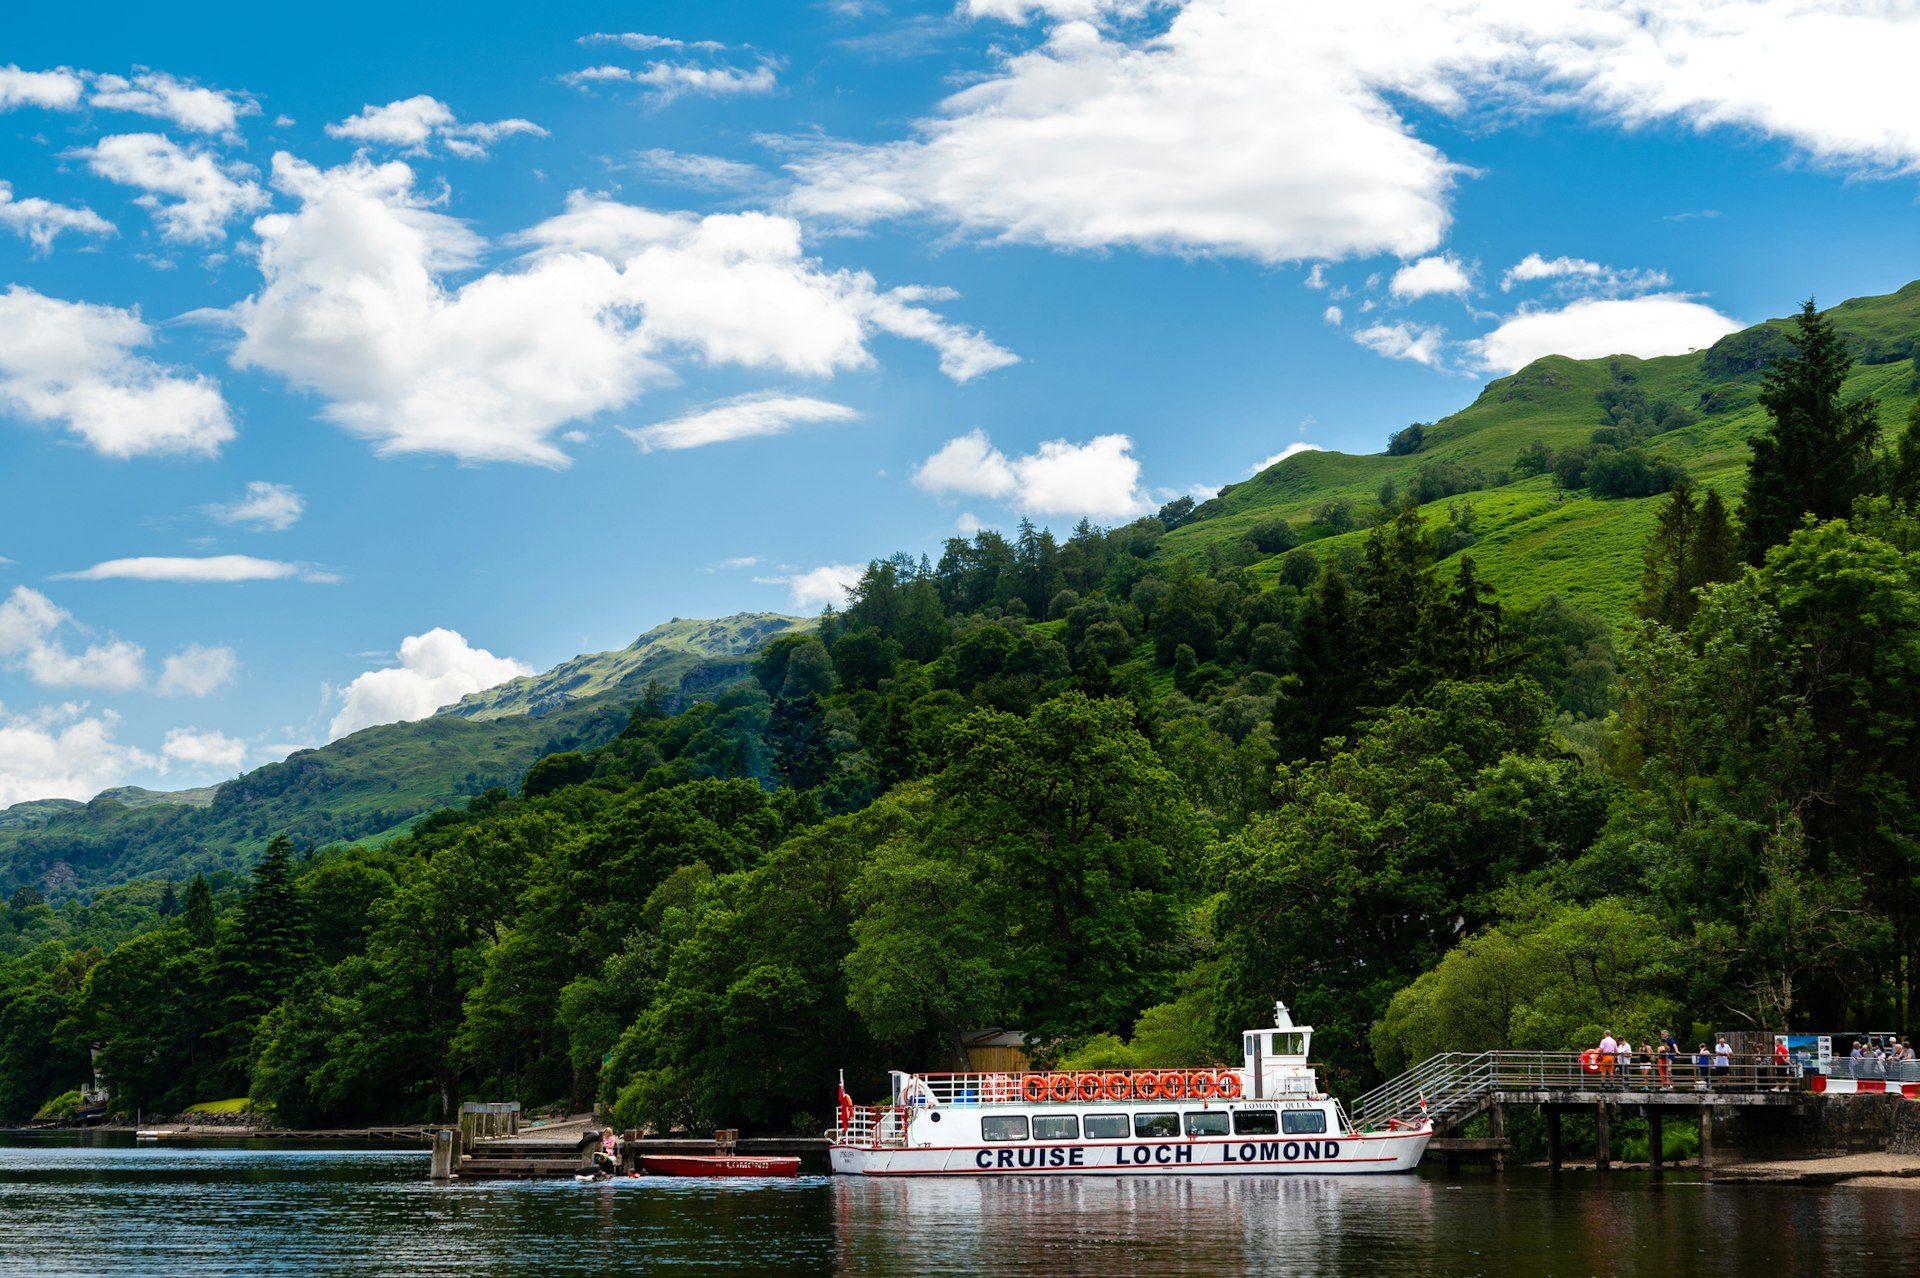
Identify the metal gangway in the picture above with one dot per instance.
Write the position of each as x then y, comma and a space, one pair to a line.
1454, 1086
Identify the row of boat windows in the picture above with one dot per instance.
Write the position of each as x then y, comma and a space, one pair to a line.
1247, 1122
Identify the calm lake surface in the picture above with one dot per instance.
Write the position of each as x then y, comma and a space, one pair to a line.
68, 1207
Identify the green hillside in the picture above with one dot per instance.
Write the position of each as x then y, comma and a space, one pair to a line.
373, 784
1532, 537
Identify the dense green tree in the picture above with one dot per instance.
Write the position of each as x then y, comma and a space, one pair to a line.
1320, 698
1818, 454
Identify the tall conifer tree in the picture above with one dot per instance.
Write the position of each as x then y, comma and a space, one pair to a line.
1818, 455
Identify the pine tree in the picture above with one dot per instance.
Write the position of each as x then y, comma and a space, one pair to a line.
1398, 628
1691, 546
199, 913
1319, 696
1476, 643
1818, 455
1666, 581
169, 901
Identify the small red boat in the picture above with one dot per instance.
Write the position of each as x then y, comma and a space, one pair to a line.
718, 1165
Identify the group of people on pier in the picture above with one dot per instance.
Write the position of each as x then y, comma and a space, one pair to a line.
1659, 1061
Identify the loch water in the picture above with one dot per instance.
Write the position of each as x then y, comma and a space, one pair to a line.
99, 1204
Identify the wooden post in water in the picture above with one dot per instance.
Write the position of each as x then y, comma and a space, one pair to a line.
446, 1153
629, 1151
1554, 1150
1497, 1128
1602, 1155
1653, 1138
1706, 1138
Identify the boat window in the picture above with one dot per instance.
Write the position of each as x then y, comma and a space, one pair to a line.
1286, 1045
1211, 1122
1256, 1122
1303, 1122
1004, 1127
1056, 1127
1106, 1126
1156, 1124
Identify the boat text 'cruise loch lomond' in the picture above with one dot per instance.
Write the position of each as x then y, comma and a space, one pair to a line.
1268, 1117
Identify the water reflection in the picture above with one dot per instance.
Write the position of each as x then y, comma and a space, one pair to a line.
72, 1208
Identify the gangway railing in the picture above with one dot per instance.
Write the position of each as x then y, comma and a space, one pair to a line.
1453, 1086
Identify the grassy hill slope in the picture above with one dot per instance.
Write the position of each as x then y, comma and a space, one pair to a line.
1533, 538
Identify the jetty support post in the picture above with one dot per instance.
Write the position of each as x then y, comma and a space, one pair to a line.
1497, 1128
446, 1153
629, 1151
1555, 1153
1602, 1154
1653, 1138
1706, 1138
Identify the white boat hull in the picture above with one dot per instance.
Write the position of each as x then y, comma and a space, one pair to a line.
1369, 1153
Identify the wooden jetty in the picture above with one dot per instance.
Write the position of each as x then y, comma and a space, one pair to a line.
1454, 1087
535, 1153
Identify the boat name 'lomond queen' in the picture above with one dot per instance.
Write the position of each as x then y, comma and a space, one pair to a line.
1268, 1117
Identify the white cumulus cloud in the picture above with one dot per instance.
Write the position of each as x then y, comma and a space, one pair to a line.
206, 194
606, 299
1099, 479
412, 124
39, 221
1440, 275
1657, 324
1421, 343
1578, 275
197, 671
265, 508
670, 80
827, 586
32, 641
740, 418
212, 568
57, 90
436, 669
63, 753
189, 105
74, 363
1279, 132
212, 751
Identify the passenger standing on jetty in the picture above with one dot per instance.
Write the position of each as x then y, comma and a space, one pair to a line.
1668, 1051
1607, 1048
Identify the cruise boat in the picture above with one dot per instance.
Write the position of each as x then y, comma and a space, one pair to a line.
1268, 1117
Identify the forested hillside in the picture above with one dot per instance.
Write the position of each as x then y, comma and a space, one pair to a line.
371, 784
1121, 790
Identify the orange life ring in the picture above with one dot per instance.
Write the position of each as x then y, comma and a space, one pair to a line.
1087, 1087
1118, 1087
1034, 1088
1202, 1086
1229, 1086
1146, 1086
1173, 1085
1060, 1087
1590, 1060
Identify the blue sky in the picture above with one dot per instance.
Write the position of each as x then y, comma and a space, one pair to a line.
352, 362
